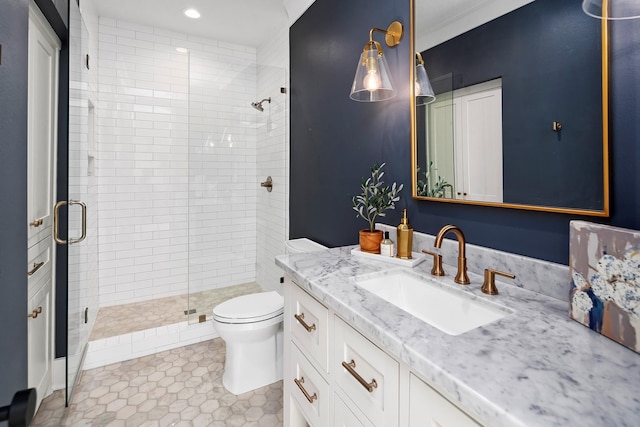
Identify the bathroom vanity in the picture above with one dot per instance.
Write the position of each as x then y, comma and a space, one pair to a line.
335, 375
354, 358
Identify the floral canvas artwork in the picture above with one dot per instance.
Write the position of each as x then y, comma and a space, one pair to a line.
604, 262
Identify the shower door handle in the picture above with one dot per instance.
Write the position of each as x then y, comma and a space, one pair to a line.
56, 222
83, 207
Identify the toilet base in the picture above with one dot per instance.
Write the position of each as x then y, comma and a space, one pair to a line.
251, 365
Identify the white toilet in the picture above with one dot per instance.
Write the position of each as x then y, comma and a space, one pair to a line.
251, 326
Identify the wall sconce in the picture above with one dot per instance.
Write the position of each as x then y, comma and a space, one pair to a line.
423, 90
612, 9
373, 79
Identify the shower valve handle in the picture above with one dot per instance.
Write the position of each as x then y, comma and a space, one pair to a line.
268, 184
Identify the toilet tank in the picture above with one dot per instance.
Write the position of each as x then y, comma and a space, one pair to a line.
294, 246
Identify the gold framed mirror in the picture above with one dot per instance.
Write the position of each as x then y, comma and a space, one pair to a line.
523, 132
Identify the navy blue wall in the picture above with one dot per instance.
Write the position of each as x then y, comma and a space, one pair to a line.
334, 140
548, 54
14, 22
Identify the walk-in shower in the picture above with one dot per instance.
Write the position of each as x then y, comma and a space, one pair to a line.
174, 167
258, 105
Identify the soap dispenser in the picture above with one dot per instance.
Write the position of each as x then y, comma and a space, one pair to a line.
404, 237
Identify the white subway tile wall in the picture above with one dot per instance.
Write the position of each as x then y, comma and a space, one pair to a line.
272, 155
177, 163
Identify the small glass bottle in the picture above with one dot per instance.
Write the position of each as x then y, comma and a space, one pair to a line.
386, 246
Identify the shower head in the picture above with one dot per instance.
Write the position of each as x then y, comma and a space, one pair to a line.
258, 105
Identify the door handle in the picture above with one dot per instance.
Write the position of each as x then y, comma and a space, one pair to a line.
83, 207
56, 222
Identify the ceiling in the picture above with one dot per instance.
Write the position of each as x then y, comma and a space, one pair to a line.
246, 22
251, 22
441, 20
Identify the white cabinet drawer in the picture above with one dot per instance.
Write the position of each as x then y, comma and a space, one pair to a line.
38, 326
309, 390
38, 269
309, 326
366, 374
427, 407
344, 417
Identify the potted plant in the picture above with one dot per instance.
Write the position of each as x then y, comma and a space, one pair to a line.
375, 199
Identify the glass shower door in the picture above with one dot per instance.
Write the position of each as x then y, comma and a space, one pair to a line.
81, 241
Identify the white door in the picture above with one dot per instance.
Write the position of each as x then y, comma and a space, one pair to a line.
481, 116
478, 142
44, 49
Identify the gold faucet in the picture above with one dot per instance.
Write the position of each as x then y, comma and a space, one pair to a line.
461, 276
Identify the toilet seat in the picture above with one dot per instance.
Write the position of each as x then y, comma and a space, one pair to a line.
250, 308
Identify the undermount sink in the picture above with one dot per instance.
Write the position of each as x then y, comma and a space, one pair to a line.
453, 311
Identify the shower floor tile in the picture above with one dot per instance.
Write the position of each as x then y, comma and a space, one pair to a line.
139, 316
179, 387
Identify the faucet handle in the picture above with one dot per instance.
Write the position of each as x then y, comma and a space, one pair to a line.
489, 284
437, 269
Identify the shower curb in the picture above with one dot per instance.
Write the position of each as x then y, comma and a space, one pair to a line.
132, 345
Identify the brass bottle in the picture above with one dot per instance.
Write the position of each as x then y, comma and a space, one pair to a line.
404, 239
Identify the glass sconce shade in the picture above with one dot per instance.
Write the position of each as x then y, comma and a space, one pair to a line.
424, 91
373, 79
612, 9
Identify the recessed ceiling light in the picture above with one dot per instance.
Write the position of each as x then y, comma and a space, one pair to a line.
182, 49
191, 13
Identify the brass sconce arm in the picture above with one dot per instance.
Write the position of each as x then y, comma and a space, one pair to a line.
393, 33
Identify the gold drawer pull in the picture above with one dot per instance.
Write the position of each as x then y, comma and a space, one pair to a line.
35, 313
37, 223
36, 267
300, 318
299, 383
350, 367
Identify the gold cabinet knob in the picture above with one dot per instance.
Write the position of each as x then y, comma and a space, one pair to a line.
37, 223
35, 313
489, 284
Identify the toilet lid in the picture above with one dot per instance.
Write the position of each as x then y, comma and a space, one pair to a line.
251, 307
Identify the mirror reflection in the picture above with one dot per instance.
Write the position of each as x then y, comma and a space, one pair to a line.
516, 117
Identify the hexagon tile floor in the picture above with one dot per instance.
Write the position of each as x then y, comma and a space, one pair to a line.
179, 387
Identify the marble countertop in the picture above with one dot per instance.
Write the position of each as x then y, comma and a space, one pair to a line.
535, 367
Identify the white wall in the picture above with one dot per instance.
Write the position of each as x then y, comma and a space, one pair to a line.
150, 189
272, 158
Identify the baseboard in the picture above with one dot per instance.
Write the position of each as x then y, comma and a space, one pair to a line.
59, 374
